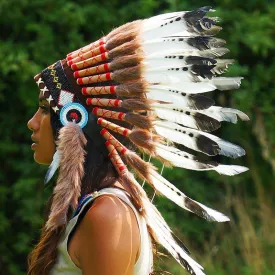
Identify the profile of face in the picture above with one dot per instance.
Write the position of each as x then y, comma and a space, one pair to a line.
42, 136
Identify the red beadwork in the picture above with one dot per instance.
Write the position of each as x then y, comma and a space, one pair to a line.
74, 116
84, 91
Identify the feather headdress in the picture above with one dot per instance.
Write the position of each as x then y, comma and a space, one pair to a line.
149, 74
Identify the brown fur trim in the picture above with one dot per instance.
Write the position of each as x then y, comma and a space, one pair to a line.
122, 34
68, 187
125, 62
136, 104
144, 122
134, 88
127, 48
124, 75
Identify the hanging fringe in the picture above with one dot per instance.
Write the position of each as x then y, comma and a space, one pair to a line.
71, 143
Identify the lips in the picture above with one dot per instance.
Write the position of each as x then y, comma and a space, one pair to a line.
34, 139
35, 142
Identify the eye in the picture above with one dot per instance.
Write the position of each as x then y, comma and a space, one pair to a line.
45, 109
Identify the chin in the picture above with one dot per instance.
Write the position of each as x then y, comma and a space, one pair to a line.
41, 159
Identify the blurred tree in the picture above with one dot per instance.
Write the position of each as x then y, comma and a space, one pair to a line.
36, 33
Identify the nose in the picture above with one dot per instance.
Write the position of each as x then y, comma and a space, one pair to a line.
34, 123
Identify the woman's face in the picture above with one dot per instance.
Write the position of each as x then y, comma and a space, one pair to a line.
43, 138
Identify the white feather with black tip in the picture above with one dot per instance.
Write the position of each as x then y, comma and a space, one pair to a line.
175, 60
224, 114
198, 45
163, 235
185, 160
168, 190
191, 79
178, 99
187, 117
189, 23
198, 140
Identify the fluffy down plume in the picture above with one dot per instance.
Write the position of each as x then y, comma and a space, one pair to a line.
71, 145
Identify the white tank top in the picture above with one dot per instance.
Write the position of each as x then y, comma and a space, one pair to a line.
144, 264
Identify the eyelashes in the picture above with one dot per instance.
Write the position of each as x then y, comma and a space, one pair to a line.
45, 109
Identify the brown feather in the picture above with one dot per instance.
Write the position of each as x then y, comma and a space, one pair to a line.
140, 166
136, 104
144, 140
124, 75
122, 34
125, 62
144, 122
127, 48
130, 89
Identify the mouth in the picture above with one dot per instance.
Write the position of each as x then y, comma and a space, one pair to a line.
34, 144
33, 139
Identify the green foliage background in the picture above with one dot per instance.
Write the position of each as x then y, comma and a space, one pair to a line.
36, 33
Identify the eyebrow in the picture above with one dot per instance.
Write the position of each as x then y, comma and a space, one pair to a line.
42, 97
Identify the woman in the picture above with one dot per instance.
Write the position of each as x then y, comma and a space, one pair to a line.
136, 88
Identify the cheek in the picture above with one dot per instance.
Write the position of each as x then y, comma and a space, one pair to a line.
46, 146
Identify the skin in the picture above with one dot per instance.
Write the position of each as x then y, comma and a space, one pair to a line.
107, 241
42, 136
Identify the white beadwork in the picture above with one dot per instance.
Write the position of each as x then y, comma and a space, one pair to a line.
76, 107
49, 99
65, 97
39, 81
55, 109
45, 89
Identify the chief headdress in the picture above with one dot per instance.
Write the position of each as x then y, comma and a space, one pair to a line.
156, 71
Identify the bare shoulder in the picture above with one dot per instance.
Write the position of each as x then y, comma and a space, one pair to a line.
105, 209
108, 236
